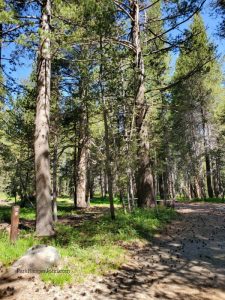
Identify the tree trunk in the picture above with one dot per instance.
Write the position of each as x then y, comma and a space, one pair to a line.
108, 164
54, 180
144, 178
82, 161
207, 157
105, 180
44, 218
108, 160
101, 184
75, 174
55, 96
1, 71
161, 186
81, 177
1, 37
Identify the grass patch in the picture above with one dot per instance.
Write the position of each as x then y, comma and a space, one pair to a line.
92, 247
104, 201
10, 252
25, 213
209, 200
206, 200
4, 196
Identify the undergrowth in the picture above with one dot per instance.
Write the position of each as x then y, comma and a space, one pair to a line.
94, 246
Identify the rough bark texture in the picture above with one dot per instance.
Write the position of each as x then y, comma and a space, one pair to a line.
44, 218
145, 190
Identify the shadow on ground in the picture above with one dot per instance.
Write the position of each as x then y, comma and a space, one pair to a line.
187, 261
184, 262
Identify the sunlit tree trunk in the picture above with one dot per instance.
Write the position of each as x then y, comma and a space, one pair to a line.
144, 178
44, 218
82, 157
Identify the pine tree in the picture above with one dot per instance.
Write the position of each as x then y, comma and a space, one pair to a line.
192, 101
44, 219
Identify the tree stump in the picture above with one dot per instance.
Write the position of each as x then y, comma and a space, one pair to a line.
14, 223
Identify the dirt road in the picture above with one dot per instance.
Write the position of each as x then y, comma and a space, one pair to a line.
185, 262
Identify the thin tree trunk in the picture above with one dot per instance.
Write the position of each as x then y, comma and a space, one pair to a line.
218, 173
55, 96
90, 183
144, 178
105, 184
1, 71
44, 218
101, 184
108, 166
82, 176
161, 186
207, 157
75, 175
54, 180
1, 37
123, 202
82, 160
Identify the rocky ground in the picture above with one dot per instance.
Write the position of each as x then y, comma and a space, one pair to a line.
186, 261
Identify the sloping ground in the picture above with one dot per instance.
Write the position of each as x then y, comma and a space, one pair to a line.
185, 262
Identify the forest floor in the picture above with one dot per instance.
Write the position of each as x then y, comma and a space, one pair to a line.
186, 261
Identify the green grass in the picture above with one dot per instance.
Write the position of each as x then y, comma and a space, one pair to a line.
206, 200
104, 201
4, 196
209, 200
92, 247
25, 213
10, 252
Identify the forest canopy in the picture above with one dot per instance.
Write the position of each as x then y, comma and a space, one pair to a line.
125, 98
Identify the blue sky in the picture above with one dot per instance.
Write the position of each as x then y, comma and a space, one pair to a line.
211, 20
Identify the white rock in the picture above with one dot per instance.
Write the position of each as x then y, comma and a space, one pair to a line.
36, 259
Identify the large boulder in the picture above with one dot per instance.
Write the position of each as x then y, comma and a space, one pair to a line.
36, 259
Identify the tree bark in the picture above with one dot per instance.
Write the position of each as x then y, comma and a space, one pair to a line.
82, 158
44, 218
82, 177
108, 164
144, 178
101, 184
105, 181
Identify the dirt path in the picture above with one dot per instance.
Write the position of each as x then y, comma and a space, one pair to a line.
186, 262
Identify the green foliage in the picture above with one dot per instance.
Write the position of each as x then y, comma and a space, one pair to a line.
194, 103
